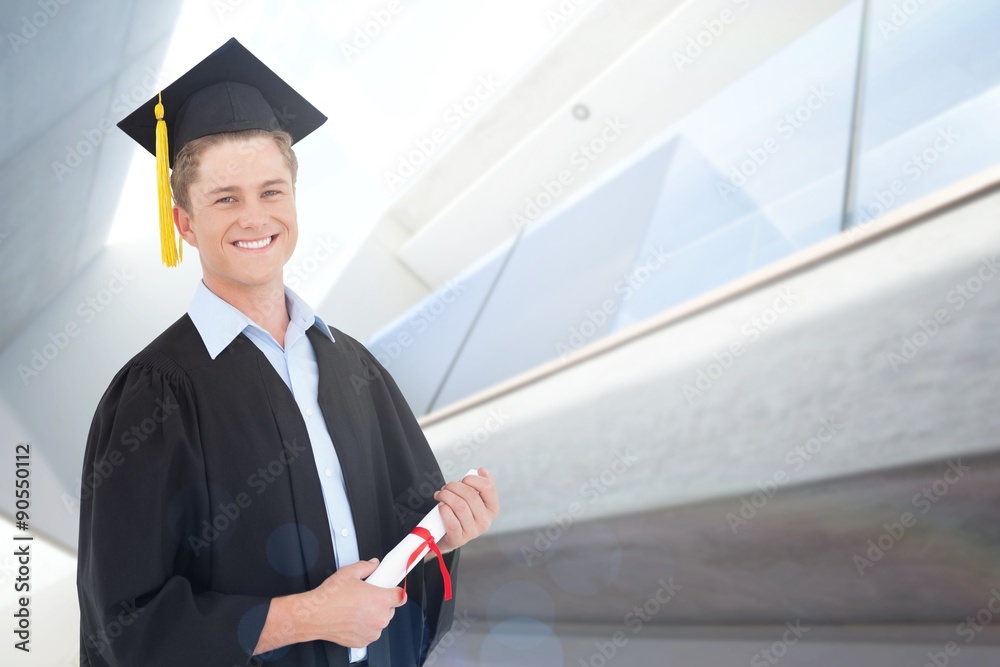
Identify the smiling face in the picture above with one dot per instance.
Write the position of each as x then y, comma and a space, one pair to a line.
240, 214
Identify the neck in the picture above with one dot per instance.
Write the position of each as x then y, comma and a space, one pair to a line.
264, 304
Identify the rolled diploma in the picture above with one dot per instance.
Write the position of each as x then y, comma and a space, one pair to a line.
392, 569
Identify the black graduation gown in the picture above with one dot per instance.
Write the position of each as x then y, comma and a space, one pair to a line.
201, 501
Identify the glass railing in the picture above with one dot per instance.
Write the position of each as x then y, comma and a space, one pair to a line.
879, 104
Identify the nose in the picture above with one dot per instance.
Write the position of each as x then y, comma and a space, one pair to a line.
253, 215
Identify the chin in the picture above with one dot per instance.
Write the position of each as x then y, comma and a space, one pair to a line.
261, 279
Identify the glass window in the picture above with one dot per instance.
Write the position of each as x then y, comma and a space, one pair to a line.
752, 175
931, 112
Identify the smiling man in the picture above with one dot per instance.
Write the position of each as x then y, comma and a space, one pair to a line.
240, 531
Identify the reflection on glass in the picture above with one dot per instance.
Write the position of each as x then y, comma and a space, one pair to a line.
752, 175
931, 112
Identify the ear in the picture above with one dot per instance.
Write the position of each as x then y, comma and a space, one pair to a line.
182, 221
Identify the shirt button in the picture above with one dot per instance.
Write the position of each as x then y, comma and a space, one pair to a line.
309, 412
345, 532
328, 472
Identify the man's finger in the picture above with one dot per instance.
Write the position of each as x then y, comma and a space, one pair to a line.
477, 482
468, 492
491, 500
463, 506
485, 505
361, 569
452, 526
483, 483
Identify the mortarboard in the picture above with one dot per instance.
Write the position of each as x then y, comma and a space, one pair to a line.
228, 91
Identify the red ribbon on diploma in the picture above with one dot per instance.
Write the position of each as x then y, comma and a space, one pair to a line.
428, 541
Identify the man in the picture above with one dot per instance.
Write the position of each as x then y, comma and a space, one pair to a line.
252, 460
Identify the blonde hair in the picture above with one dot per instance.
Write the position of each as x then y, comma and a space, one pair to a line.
188, 160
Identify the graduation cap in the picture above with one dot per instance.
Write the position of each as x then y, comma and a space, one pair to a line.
228, 91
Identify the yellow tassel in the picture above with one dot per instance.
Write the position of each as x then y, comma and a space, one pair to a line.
170, 247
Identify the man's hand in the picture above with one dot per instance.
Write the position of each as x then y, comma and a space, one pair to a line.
347, 611
467, 509
343, 609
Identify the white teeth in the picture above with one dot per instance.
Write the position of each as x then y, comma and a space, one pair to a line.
254, 245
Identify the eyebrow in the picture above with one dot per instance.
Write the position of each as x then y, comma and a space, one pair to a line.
219, 191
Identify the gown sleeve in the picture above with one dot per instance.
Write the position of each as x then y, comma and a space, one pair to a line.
411, 464
144, 596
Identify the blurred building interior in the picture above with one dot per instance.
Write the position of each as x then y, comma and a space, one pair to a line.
712, 288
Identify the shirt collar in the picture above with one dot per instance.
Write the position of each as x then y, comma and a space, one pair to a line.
219, 322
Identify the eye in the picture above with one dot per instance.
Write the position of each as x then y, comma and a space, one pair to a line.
271, 193
226, 200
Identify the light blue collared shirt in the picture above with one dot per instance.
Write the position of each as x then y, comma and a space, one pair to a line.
219, 323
